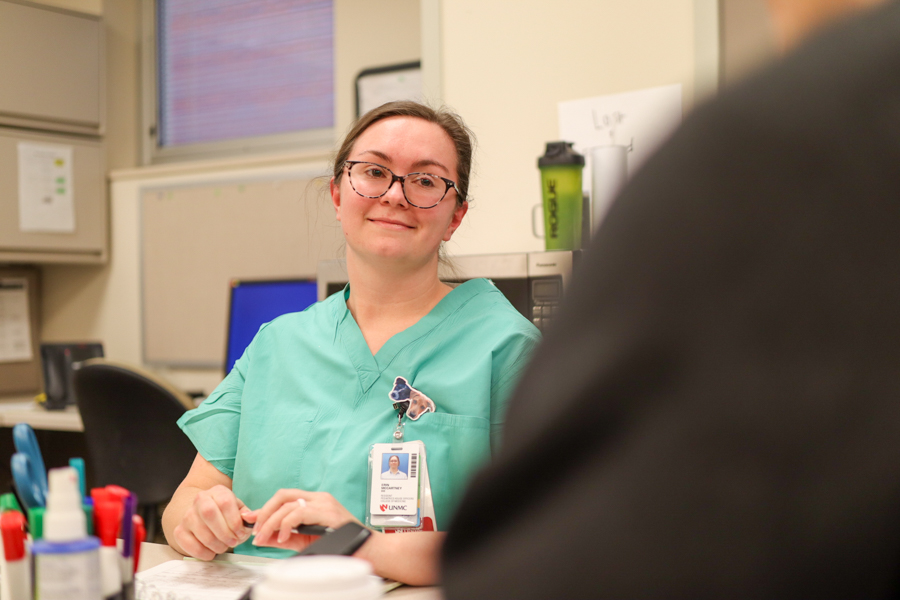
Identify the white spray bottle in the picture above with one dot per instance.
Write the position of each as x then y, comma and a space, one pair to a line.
66, 560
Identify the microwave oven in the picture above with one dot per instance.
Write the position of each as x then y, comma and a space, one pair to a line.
533, 282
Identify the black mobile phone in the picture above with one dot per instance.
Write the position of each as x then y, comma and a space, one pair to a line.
344, 540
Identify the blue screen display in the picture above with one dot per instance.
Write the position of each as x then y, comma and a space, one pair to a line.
254, 303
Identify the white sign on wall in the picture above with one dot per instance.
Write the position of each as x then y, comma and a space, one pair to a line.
623, 129
45, 188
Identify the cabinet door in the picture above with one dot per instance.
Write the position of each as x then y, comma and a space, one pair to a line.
51, 66
88, 242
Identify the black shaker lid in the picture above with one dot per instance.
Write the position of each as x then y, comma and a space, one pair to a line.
560, 153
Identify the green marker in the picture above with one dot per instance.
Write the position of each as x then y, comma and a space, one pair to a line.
9, 502
36, 522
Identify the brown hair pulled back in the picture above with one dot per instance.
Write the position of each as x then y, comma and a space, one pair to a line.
462, 137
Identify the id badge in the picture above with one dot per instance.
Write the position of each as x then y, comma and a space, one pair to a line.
397, 476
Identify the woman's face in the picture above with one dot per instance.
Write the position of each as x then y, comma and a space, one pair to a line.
388, 227
394, 463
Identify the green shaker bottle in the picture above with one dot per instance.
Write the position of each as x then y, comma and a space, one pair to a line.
561, 169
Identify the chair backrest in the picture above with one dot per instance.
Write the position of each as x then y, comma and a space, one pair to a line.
129, 425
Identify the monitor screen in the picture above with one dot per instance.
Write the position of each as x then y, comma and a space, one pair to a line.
254, 303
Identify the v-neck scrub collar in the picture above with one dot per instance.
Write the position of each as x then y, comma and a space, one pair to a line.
369, 366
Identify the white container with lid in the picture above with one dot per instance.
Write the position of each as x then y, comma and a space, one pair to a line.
319, 578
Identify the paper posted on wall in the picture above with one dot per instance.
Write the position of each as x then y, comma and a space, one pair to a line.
46, 198
15, 321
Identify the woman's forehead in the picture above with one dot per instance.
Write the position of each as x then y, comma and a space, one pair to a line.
408, 140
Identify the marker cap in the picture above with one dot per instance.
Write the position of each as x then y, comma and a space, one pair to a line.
12, 523
107, 515
9, 502
36, 522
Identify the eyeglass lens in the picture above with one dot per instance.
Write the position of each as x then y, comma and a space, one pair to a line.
422, 189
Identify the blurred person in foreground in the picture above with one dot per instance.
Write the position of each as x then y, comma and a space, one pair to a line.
716, 413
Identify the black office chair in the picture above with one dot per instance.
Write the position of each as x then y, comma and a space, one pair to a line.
132, 440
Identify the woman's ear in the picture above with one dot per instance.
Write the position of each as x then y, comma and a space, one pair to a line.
335, 189
458, 214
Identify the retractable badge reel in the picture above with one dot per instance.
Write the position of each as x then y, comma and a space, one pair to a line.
399, 490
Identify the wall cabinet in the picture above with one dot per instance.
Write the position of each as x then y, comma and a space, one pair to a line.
88, 243
51, 66
52, 94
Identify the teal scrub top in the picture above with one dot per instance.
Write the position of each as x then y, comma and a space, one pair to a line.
304, 403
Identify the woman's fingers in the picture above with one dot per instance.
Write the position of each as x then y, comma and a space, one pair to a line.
191, 545
296, 542
215, 519
231, 508
276, 520
279, 499
290, 508
295, 516
198, 541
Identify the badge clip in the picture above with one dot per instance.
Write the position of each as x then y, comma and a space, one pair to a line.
401, 408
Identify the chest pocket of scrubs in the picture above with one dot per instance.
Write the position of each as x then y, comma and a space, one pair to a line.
456, 446
274, 452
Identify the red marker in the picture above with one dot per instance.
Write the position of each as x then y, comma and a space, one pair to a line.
16, 577
107, 517
118, 491
140, 535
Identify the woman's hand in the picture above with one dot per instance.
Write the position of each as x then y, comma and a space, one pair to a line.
290, 508
212, 523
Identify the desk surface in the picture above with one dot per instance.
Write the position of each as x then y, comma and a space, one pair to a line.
154, 554
23, 409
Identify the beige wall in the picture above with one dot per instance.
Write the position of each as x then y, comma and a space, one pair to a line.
367, 38
507, 65
503, 65
76, 298
92, 7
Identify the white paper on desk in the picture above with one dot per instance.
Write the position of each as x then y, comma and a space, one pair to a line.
15, 322
196, 580
45, 188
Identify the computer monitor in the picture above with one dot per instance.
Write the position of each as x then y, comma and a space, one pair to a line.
254, 303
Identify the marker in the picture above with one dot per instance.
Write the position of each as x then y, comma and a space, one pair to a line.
140, 535
107, 517
127, 562
78, 465
36, 523
16, 574
9, 502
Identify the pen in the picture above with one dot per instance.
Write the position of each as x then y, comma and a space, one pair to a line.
16, 575
304, 529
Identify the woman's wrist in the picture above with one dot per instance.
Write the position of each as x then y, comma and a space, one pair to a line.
410, 558
371, 548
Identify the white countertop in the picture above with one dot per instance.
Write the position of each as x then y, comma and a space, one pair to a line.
23, 409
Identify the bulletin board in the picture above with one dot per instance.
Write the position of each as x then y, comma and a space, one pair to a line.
196, 239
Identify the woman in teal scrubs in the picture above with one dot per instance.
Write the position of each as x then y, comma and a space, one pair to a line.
284, 439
